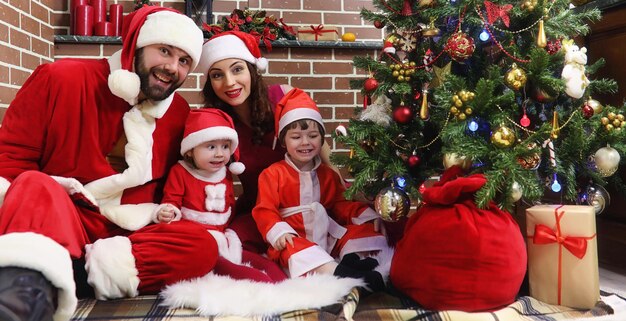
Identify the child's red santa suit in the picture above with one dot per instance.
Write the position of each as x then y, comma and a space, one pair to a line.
291, 201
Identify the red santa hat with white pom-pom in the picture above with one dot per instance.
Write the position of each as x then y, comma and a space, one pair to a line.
148, 26
389, 48
231, 44
208, 124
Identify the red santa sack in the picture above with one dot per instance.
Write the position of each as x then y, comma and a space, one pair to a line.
456, 256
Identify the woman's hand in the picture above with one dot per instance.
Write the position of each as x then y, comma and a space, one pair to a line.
282, 241
166, 214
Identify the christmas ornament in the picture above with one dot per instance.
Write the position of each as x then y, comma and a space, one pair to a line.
478, 126
460, 104
530, 162
424, 113
516, 192
409, 40
341, 130
607, 161
392, 204
406, 8
402, 114
515, 78
431, 30
379, 24
440, 75
540, 95
460, 46
503, 137
573, 73
495, 12
452, 159
370, 84
595, 105
598, 197
378, 112
553, 46
413, 161
587, 111
368, 144
402, 71
428, 60
554, 134
348, 37
541, 36
529, 5
425, 3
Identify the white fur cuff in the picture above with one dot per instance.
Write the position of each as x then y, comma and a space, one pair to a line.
4, 186
110, 265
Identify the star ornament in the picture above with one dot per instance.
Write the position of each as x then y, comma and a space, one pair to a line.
440, 75
495, 12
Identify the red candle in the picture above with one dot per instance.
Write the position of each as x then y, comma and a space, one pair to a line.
116, 16
73, 5
84, 20
99, 10
104, 28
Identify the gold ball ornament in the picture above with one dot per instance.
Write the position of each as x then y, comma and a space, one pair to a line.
595, 105
451, 159
515, 78
607, 161
529, 5
392, 204
503, 137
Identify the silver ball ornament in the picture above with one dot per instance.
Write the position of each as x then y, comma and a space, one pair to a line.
516, 192
598, 197
392, 204
607, 161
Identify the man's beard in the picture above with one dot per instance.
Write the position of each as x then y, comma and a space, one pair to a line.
154, 92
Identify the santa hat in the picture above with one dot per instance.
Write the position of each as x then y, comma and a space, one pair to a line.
208, 124
388, 47
295, 105
231, 44
148, 26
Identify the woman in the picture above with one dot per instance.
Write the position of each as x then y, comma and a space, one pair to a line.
232, 64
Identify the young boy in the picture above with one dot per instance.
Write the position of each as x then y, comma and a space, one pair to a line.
294, 196
200, 189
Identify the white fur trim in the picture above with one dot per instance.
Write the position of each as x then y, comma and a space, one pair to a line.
261, 64
297, 114
364, 244
4, 186
174, 29
211, 133
203, 175
138, 128
125, 84
367, 215
228, 245
236, 168
279, 229
129, 216
73, 186
177, 213
307, 260
214, 295
110, 265
215, 199
208, 218
40, 253
223, 47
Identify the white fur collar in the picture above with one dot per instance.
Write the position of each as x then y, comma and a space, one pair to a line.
152, 108
204, 175
316, 163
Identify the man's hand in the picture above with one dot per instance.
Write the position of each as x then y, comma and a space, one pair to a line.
282, 241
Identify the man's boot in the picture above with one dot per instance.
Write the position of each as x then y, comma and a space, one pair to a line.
26, 295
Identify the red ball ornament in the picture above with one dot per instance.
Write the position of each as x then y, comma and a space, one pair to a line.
587, 111
370, 84
414, 161
460, 46
402, 114
379, 24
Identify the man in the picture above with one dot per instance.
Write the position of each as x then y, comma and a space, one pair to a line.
85, 148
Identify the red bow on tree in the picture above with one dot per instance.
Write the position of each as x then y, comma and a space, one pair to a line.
495, 12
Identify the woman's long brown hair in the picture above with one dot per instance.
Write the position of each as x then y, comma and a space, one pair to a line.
262, 118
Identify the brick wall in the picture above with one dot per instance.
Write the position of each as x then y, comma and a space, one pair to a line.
323, 73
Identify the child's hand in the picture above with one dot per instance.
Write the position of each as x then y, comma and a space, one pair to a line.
166, 214
282, 241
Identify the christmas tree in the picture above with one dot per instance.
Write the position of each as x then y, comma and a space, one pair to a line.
497, 87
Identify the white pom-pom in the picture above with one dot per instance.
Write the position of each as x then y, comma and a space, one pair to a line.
125, 84
236, 168
390, 50
261, 64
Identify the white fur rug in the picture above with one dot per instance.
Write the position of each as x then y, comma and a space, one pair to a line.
214, 295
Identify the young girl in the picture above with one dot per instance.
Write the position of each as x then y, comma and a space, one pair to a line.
200, 189
295, 195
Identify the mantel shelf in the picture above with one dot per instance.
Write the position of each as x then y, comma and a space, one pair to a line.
277, 43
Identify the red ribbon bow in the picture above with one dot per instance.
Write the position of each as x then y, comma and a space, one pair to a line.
317, 31
495, 12
577, 245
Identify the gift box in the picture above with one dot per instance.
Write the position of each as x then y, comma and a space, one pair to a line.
563, 255
318, 33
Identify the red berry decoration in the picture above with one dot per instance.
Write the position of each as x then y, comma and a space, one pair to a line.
553, 46
460, 46
402, 114
379, 24
370, 84
587, 111
414, 161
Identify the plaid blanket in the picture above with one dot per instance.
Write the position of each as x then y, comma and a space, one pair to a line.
375, 307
